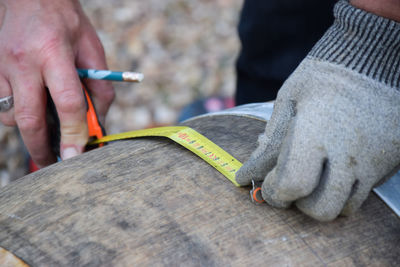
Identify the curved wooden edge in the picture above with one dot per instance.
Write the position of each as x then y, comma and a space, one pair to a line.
7, 259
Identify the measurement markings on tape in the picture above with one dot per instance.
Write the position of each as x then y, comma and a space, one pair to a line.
190, 139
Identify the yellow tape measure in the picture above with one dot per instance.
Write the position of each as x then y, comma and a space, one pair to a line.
192, 140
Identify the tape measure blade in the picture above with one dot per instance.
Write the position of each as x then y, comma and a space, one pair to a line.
190, 139
159, 131
209, 152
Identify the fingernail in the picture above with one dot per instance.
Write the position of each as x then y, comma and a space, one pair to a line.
69, 152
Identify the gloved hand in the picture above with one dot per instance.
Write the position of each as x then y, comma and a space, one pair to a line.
335, 129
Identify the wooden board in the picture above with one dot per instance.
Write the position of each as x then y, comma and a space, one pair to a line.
151, 202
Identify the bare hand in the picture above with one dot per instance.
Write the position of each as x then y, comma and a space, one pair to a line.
42, 42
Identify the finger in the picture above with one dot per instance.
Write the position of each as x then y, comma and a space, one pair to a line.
65, 88
30, 114
91, 56
298, 170
362, 187
331, 194
264, 158
6, 117
367, 176
268, 189
358, 195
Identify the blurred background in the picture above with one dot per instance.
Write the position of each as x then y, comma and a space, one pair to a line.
185, 48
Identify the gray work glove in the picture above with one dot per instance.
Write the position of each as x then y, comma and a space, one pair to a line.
335, 129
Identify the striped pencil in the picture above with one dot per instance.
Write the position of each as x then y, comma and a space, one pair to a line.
123, 76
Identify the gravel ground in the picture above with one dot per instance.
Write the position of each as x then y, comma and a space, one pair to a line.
185, 48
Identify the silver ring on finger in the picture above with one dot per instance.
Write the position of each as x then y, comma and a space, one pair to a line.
6, 103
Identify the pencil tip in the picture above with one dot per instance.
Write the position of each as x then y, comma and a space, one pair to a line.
133, 76
140, 77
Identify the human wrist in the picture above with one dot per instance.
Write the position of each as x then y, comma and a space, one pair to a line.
364, 42
389, 9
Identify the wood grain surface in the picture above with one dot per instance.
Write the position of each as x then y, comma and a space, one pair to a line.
150, 202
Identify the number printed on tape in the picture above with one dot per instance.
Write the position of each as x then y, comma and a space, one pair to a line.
190, 139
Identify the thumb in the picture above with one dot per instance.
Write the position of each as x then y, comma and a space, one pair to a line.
264, 158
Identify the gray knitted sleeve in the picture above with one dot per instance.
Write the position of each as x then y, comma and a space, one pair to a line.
363, 42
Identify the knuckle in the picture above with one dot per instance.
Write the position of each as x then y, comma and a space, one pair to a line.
74, 134
52, 37
17, 53
243, 177
18, 56
70, 101
74, 20
294, 190
48, 48
22, 53
28, 122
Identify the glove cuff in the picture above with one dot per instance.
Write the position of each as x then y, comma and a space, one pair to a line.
363, 42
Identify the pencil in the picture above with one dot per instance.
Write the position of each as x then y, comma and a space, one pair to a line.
122, 76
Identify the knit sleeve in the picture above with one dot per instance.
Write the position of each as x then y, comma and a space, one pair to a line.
363, 42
